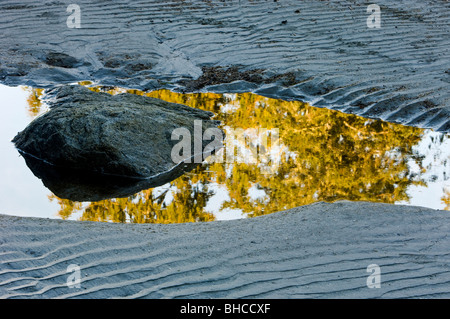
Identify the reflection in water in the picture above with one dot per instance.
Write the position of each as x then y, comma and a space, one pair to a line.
446, 198
329, 156
149, 206
79, 185
33, 101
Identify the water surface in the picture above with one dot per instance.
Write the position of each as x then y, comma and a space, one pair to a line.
326, 155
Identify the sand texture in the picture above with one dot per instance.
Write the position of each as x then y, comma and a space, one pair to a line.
316, 251
315, 51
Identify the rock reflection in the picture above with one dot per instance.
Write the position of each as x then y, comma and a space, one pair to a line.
189, 195
333, 156
82, 186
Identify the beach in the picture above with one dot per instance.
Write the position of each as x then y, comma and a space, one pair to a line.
319, 52
320, 250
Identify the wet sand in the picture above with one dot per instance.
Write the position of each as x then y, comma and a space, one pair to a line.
316, 251
315, 51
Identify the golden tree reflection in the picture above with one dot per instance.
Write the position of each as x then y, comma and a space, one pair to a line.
338, 156
68, 207
446, 198
33, 101
189, 193
333, 156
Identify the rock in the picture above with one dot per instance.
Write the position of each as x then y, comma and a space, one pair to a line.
126, 136
61, 60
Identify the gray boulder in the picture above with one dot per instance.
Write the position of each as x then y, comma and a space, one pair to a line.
124, 136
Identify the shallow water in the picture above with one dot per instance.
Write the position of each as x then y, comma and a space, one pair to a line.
325, 156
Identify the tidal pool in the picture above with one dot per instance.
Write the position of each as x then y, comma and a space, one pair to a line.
325, 155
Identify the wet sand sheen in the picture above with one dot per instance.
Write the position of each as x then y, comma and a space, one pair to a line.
321, 52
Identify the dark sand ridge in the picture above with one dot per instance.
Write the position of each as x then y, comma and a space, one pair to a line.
316, 251
316, 51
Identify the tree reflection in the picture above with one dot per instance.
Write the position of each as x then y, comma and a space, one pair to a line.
33, 101
189, 192
446, 198
332, 156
